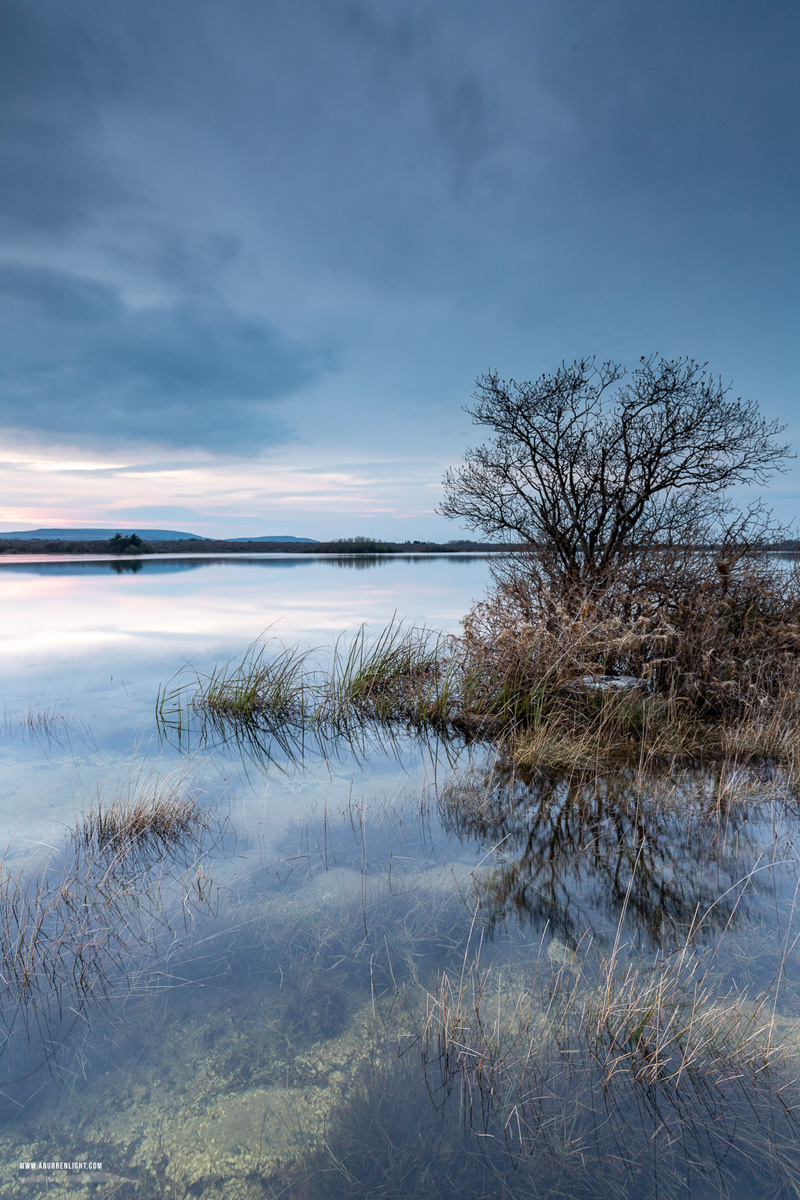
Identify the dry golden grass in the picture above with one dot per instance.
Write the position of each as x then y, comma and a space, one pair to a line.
615, 1063
666, 733
677, 664
152, 820
712, 670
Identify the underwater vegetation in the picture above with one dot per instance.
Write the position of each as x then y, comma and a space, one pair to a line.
617, 1076
387, 1139
390, 1140
573, 1078
70, 927
45, 723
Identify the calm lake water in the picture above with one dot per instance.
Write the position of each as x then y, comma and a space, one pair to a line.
383, 965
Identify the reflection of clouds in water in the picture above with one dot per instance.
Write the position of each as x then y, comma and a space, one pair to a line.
222, 606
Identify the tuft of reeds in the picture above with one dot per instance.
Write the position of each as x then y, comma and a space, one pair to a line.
401, 676
68, 929
151, 821
395, 675
624, 1077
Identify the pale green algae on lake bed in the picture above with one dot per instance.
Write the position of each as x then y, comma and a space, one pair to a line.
393, 969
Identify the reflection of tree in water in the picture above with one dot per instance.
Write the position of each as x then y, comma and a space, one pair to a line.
361, 560
132, 567
578, 852
358, 562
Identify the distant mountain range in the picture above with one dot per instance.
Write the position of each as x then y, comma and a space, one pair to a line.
149, 535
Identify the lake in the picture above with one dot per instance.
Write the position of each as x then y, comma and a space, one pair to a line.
371, 963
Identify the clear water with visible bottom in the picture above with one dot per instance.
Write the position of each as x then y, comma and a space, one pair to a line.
384, 966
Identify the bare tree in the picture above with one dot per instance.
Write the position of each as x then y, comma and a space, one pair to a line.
595, 466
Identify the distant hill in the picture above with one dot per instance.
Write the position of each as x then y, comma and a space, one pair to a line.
149, 535
100, 535
283, 537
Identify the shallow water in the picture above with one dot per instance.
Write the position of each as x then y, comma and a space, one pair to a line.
369, 972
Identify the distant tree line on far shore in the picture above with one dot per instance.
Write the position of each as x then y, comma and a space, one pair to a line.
134, 544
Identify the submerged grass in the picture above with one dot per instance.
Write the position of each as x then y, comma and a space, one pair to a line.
386, 1141
624, 1080
442, 1065
69, 928
578, 1068
45, 723
569, 1077
152, 821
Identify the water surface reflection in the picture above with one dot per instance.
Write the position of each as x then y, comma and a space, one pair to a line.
455, 976
689, 852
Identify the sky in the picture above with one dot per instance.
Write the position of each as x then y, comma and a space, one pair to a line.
254, 253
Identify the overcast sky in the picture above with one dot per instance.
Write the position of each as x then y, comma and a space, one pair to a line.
253, 253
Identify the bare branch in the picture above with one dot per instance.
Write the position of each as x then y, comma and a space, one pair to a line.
593, 463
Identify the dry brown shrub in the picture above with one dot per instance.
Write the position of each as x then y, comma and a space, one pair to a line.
702, 637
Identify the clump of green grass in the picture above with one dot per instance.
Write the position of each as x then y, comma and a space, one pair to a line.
268, 680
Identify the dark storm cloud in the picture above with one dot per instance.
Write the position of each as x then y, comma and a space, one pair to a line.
350, 127
396, 140
54, 83
76, 360
433, 189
